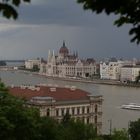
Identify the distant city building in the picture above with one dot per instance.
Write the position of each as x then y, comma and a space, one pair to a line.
130, 73
2, 63
66, 64
55, 102
112, 69
29, 64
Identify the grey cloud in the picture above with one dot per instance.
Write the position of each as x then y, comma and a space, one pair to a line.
44, 24
62, 12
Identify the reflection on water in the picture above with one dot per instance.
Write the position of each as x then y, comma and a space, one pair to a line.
114, 96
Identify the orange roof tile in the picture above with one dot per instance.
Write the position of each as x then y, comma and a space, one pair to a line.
60, 94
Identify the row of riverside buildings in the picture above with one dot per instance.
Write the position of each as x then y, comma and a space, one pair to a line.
70, 65
124, 71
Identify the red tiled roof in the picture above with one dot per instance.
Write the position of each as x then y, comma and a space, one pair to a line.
61, 94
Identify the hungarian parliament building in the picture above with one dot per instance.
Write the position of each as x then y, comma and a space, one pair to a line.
68, 65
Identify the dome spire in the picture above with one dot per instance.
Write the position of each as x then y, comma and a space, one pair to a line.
64, 50
64, 43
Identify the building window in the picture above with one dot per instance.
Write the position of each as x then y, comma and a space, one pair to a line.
78, 110
83, 110
83, 119
73, 111
87, 110
95, 119
48, 112
57, 112
87, 120
62, 111
67, 110
96, 108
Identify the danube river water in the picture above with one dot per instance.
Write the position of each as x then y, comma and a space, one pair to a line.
114, 96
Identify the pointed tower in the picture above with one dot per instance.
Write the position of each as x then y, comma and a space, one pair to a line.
63, 50
76, 54
64, 43
49, 56
53, 58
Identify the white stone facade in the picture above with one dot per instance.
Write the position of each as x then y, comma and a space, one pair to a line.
65, 64
29, 64
129, 73
112, 70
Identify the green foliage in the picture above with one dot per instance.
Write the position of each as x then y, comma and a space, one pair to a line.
138, 78
35, 68
128, 12
120, 135
8, 8
66, 118
48, 129
16, 120
76, 131
3, 88
134, 130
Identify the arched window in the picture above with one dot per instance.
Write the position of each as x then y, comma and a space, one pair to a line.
87, 110
57, 112
83, 110
68, 111
73, 111
87, 120
78, 110
95, 119
96, 108
62, 111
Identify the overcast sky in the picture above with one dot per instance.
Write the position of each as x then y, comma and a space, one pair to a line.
44, 24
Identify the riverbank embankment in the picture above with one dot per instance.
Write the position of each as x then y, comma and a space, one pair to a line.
95, 81
83, 80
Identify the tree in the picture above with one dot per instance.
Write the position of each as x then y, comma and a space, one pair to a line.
120, 135
138, 78
127, 10
16, 120
76, 130
35, 68
134, 130
3, 88
66, 118
47, 128
8, 8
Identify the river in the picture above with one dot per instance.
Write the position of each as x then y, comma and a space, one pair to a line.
114, 96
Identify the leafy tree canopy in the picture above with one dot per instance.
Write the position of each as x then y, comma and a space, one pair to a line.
120, 135
8, 8
134, 130
128, 12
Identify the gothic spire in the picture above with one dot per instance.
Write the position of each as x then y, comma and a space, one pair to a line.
64, 43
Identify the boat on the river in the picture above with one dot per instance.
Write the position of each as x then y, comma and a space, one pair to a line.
131, 106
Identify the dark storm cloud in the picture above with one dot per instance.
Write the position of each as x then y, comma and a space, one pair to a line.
44, 24
61, 12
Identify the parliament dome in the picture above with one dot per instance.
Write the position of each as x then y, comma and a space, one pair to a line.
64, 50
